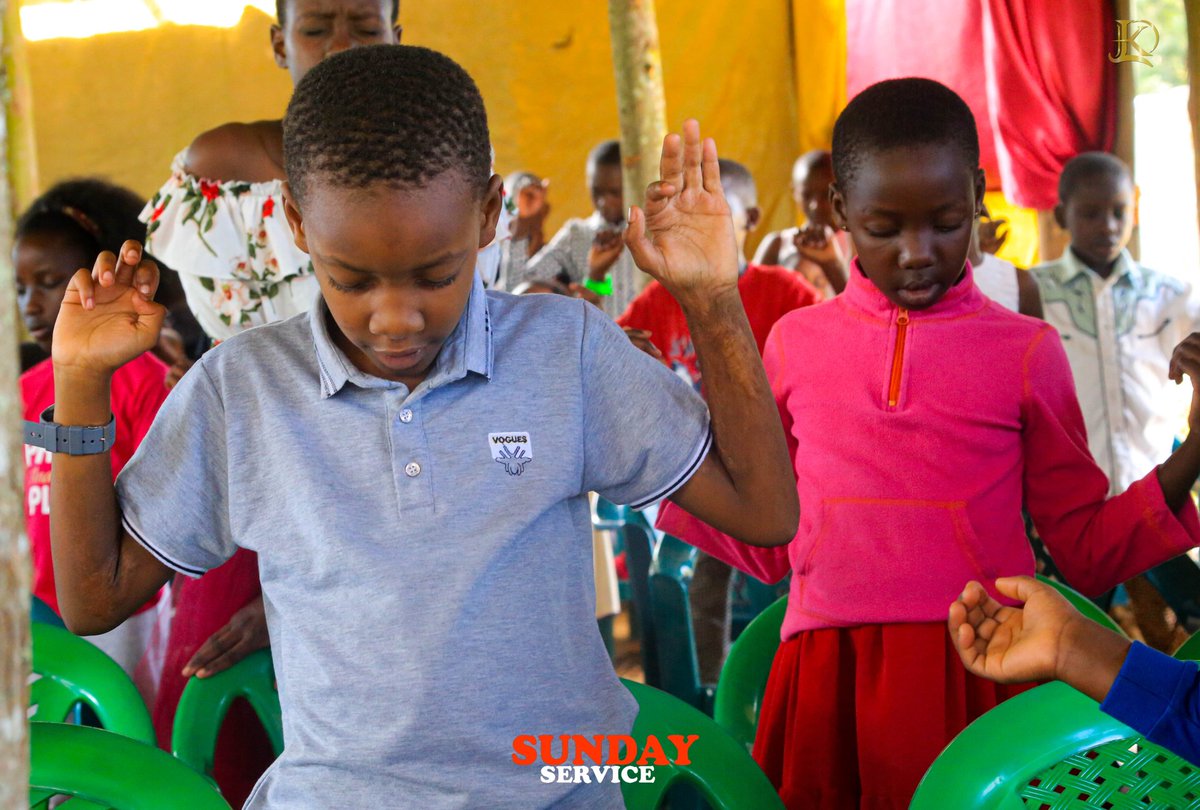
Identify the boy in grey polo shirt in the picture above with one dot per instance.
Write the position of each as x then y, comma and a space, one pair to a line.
411, 459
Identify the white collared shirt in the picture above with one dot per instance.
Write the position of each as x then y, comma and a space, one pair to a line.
1119, 334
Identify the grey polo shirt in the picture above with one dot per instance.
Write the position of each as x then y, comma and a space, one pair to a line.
425, 555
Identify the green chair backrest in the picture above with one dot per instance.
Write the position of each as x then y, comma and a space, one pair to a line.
1052, 748
1084, 605
720, 769
74, 671
1190, 649
205, 702
641, 544
744, 677
675, 639
111, 770
39, 611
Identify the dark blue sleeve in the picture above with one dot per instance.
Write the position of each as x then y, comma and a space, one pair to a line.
1159, 697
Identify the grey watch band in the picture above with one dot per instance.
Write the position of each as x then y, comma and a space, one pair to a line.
74, 440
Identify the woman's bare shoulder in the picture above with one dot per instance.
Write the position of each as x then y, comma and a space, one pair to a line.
251, 152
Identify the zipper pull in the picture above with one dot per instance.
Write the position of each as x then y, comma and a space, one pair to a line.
902, 318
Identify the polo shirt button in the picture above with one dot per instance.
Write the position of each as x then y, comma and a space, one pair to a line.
406, 416
412, 470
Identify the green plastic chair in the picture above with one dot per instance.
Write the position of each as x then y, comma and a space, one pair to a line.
671, 613
1084, 605
39, 611
1190, 649
205, 702
743, 680
721, 771
110, 770
74, 672
1052, 748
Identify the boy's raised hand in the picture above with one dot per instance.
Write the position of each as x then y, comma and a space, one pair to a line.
684, 237
108, 315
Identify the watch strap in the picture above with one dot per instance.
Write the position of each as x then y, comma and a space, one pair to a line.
73, 440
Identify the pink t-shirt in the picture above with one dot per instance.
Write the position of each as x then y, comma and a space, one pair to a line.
137, 391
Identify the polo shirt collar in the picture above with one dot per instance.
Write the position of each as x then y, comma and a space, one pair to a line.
467, 350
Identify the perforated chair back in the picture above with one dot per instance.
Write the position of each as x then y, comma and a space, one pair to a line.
205, 702
1052, 748
641, 543
743, 680
105, 769
73, 672
720, 769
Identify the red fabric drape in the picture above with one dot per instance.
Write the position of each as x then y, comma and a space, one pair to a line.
932, 39
1051, 89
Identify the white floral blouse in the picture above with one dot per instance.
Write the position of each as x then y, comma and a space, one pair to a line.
233, 249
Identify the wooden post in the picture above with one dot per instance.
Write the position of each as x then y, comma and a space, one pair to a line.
640, 102
14, 544
1192, 11
22, 163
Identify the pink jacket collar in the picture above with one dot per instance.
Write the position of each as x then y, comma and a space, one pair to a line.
962, 299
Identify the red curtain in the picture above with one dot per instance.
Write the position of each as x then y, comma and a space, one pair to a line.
933, 39
1051, 89
1034, 73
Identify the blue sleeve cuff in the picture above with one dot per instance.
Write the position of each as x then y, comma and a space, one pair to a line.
1155, 694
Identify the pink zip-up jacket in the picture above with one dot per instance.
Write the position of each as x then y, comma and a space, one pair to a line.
916, 437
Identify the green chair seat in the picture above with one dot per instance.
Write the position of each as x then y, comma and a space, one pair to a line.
73, 672
1053, 748
205, 702
720, 769
111, 770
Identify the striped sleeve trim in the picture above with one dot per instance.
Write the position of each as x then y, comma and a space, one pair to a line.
158, 555
689, 470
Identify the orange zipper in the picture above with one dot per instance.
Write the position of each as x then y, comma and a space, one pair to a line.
898, 358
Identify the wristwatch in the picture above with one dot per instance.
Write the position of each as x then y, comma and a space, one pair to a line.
74, 440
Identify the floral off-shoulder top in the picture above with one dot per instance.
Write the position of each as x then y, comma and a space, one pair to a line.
233, 249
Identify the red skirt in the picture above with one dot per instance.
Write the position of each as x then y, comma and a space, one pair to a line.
853, 717
202, 607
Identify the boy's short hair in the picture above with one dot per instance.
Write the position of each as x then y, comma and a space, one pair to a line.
812, 159
392, 114
93, 214
737, 181
281, 11
605, 153
1086, 166
902, 113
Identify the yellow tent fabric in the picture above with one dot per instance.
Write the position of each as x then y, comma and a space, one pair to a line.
121, 105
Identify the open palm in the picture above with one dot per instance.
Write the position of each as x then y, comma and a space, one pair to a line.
1010, 644
684, 236
108, 315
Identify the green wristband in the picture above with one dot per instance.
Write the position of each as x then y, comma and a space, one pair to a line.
599, 287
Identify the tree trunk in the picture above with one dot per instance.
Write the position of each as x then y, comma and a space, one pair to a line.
1192, 11
640, 102
14, 544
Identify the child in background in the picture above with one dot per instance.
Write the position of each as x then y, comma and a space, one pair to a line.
921, 416
589, 255
1152, 693
817, 250
62, 231
411, 459
1119, 321
525, 194
655, 323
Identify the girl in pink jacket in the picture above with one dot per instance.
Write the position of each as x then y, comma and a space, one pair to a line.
921, 416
